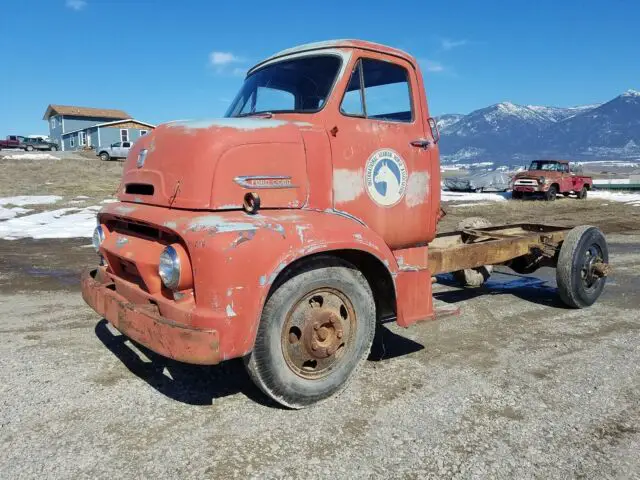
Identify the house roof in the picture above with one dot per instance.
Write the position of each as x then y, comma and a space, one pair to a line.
84, 112
108, 124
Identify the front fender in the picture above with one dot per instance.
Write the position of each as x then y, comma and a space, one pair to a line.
236, 258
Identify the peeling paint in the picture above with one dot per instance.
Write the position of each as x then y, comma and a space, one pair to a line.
263, 280
417, 188
276, 272
138, 200
300, 229
124, 209
121, 242
218, 224
347, 185
171, 225
357, 236
243, 237
235, 123
230, 312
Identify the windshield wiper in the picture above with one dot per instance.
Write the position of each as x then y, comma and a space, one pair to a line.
257, 114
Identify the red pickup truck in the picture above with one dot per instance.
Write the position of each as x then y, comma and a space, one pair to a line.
12, 141
549, 178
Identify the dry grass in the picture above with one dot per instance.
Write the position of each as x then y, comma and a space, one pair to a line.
67, 178
609, 216
99, 180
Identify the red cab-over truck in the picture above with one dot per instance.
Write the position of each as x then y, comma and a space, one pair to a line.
283, 232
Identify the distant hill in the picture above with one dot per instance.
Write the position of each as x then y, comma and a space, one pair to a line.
507, 133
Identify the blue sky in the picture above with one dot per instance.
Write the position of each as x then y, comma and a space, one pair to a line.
162, 60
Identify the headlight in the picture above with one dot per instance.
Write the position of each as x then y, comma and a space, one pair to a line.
541, 180
98, 238
169, 267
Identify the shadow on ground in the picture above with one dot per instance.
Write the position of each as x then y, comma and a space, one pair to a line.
531, 289
186, 383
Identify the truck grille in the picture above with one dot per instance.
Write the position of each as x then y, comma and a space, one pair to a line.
526, 182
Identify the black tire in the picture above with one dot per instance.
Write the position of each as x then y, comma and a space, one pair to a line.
550, 194
517, 195
54, 149
104, 156
473, 277
577, 285
565, 194
29, 148
582, 194
270, 364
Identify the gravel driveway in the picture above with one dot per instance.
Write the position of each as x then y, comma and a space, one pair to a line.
516, 386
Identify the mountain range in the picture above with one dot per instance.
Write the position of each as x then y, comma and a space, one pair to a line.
509, 134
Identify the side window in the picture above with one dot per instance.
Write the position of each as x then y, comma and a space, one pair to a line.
124, 134
72, 141
143, 132
53, 122
386, 92
126, 144
352, 100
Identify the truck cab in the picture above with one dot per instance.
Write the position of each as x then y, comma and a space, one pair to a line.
549, 178
283, 232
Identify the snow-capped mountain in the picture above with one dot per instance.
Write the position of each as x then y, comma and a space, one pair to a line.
510, 133
447, 119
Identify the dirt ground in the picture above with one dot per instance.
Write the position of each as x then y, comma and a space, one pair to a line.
516, 386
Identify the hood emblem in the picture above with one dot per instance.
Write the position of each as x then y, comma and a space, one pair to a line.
264, 181
142, 156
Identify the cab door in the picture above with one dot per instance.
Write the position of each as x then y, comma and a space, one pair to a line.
382, 155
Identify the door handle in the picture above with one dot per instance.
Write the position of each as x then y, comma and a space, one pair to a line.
421, 143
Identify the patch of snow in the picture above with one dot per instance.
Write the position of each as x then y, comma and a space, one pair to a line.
623, 197
30, 156
22, 200
62, 223
448, 196
7, 213
109, 200
81, 197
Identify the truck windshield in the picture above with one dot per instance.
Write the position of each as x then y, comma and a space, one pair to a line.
293, 86
553, 166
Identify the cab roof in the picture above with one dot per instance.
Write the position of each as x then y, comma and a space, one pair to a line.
551, 160
343, 43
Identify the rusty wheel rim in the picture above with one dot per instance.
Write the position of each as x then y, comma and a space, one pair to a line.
318, 331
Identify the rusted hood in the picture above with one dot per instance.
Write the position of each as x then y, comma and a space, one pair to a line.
205, 164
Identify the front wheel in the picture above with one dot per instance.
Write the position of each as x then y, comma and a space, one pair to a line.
582, 194
316, 329
54, 149
104, 156
582, 266
29, 148
550, 195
